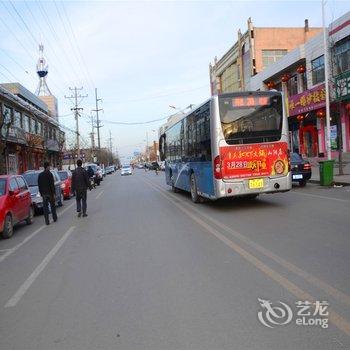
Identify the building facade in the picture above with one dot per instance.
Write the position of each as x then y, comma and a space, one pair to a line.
29, 134
300, 74
254, 51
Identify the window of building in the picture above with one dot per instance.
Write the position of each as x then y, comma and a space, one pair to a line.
303, 78
50, 133
342, 56
17, 119
7, 114
26, 123
317, 67
230, 78
54, 134
40, 128
272, 56
292, 85
32, 125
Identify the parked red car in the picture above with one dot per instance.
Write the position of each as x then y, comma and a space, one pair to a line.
66, 185
15, 203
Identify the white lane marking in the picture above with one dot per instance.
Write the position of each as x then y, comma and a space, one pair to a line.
322, 197
28, 238
339, 295
31, 279
99, 194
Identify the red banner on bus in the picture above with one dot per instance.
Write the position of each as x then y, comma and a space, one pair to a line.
246, 161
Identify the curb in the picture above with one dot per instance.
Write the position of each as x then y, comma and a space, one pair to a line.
338, 183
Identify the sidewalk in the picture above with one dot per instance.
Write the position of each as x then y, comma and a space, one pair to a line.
338, 180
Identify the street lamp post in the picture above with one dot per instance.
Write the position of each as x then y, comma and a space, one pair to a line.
326, 79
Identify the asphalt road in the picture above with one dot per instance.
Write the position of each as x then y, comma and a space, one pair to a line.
150, 270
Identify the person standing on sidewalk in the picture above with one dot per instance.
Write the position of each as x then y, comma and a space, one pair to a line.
80, 184
46, 185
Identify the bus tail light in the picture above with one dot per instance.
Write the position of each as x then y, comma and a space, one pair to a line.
288, 160
217, 168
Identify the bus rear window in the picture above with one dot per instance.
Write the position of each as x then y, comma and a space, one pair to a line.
251, 118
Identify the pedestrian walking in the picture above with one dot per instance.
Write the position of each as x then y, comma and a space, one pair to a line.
80, 184
46, 185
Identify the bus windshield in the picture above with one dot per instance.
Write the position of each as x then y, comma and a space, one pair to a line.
251, 118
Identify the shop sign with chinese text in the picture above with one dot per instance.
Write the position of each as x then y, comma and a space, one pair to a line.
307, 101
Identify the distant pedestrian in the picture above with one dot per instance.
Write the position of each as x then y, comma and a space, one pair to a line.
46, 185
80, 184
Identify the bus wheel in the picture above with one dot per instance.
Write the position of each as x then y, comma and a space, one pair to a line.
194, 193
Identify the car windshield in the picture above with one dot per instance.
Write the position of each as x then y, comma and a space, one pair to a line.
63, 175
31, 178
126, 166
2, 186
295, 158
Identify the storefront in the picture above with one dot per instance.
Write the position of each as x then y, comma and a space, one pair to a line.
342, 83
307, 122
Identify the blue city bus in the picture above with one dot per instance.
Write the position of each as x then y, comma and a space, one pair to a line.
234, 144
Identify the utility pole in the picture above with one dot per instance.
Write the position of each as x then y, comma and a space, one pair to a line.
98, 126
92, 134
110, 145
326, 79
76, 110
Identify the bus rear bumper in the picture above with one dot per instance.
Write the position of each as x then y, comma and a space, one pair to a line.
238, 187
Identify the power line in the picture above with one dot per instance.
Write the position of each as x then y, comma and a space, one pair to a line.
77, 44
9, 72
56, 37
134, 123
73, 47
158, 96
24, 23
48, 42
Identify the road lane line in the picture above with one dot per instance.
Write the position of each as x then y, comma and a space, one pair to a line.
322, 197
28, 238
334, 317
337, 294
99, 194
40, 268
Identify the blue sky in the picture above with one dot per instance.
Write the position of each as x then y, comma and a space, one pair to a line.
141, 55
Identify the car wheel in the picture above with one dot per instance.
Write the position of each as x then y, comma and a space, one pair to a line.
8, 227
29, 219
60, 200
302, 183
194, 191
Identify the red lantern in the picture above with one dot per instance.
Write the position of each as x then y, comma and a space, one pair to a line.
285, 78
347, 107
301, 69
300, 117
321, 113
270, 85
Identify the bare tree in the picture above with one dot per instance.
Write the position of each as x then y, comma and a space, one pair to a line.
6, 122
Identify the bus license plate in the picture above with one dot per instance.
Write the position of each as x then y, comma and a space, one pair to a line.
256, 183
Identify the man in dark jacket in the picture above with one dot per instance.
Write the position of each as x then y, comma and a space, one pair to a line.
46, 185
80, 184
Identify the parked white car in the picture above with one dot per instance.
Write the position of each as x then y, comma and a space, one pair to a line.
126, 170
